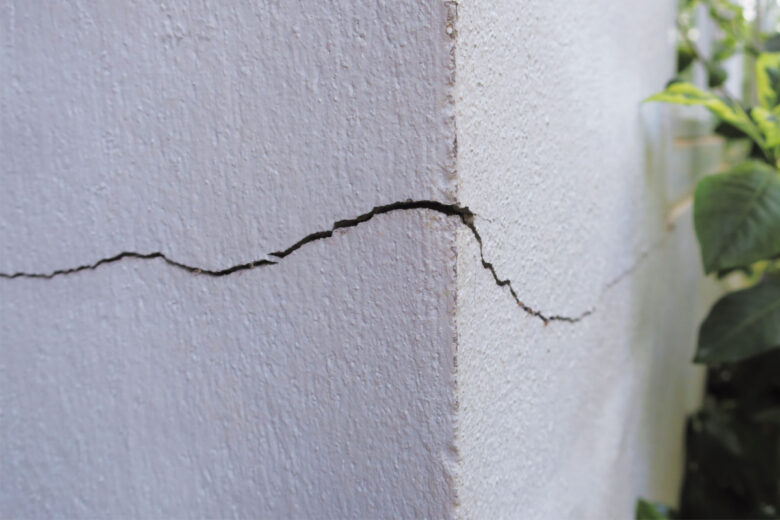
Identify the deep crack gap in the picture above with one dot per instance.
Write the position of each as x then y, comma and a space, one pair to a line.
465, 215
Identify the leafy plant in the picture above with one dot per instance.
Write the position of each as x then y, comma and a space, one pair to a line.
732, 465
733, 443
646, 510
734, 37
737, 218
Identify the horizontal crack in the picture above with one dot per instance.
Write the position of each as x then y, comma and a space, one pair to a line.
465, 215
143, 256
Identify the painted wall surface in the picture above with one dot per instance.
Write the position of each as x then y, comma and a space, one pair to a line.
378, 370
581, 200
216, 133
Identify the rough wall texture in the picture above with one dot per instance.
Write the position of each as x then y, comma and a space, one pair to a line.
215, 133
379, 370
581, 202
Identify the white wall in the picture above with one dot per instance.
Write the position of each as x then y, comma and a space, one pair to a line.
218, 132
573, 182
379, 372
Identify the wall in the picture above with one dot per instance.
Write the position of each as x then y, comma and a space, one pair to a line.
396, 359
216, 133
581, 198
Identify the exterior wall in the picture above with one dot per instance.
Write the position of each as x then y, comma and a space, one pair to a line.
379, 371
216, 133
581, 198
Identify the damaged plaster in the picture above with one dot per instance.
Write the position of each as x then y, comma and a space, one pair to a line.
374, 370
198, 136
464, 214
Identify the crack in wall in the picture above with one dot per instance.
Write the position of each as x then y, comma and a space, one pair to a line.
638, 261
142, 256
463, 213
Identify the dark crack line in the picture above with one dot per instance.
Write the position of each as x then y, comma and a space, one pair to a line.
142, 256
637, 263
465, 215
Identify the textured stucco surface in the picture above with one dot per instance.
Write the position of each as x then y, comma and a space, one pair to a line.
217, 132
318, 388
380, 372
571, 179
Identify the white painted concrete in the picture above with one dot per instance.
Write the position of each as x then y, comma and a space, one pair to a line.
378, 373
217, 132
570, 178
319, 388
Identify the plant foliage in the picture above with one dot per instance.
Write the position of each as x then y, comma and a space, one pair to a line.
733, 443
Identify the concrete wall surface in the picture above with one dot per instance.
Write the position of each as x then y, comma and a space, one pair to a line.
583, 202
217, 133
342, 260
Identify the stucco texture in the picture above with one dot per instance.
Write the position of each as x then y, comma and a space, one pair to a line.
216, 133
569, 177
384, 368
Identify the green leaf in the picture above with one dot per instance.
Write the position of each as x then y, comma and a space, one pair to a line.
729, 131
716, 75
681, 93
742, 324
685, 57
768, 79
772, 44
646, 510
724, 49
737, 216
769, 124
